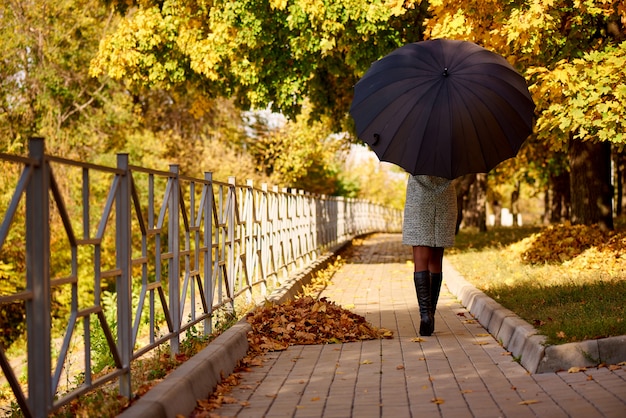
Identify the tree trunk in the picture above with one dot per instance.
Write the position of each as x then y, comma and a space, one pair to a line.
515, 203
561, 198
462, 186
619, 159
590, 182
476, 210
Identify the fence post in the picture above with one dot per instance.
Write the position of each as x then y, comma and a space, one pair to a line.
208, 255
173, 237
124, 291
250, 240
264, 234
38, 282
232, 236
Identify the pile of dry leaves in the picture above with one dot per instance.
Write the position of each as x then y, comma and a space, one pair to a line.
307, 321
275, 327
560, 243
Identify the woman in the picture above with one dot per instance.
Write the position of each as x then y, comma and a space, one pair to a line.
429, 227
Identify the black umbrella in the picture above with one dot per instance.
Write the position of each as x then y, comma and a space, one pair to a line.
444, 108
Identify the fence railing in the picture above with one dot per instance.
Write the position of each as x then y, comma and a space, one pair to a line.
171, 249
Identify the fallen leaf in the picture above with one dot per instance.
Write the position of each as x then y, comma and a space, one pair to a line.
437, 401
481, 343
400, 367
467, 391
417, 340
529, 402
366, 362
385, 333
576, 369
315, 398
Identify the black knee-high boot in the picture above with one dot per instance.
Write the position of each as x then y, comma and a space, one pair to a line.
435, 288
422, 287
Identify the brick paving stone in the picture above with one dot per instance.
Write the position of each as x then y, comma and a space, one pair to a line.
460, 371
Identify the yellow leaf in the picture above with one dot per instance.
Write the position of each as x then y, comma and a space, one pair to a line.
529, 402
417, 340
437, 401
366, 362
385, 333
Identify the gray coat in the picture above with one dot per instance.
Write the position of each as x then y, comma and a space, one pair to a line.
429, 212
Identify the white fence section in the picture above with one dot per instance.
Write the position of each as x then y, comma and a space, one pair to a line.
172, 250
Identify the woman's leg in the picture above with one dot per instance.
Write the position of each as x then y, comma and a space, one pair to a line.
421, 257
421, 278
436, 278
435, 259
428, 258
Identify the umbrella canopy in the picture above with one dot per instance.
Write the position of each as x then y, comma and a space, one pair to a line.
443, 107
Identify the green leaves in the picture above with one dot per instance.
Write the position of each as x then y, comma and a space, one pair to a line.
276, 52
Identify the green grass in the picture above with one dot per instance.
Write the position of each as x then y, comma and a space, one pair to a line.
566, 302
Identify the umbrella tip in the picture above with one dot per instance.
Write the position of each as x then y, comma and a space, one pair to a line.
376, 139
445, 72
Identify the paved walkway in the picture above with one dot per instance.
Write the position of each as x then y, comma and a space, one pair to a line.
460, 371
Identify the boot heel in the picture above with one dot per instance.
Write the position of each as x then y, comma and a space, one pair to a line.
435, 287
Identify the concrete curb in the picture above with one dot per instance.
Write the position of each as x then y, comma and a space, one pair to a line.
195, 378
523, 340
199, 376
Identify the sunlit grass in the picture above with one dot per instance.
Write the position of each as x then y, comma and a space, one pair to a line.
580, 299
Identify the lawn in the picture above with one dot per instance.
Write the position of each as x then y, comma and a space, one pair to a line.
568, 281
